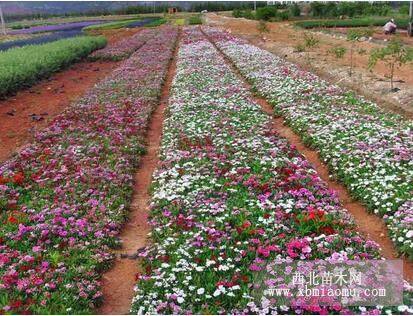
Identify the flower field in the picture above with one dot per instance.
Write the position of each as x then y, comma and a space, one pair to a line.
124, 48
64, 198
367, 149
229, 196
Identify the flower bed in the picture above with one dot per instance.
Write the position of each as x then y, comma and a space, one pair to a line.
369, 150
23, 66
64, 198
229, 196
124, 48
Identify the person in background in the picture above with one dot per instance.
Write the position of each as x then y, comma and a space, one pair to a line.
390, 27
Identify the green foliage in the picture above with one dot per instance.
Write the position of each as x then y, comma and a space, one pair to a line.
111, 25
266, 13
23, 66
338, 51
358, 22
295, 10
394, 55
310, 40
262, 27
350, 9
299, 48
404, 9
156, 22
194, 20
283, 16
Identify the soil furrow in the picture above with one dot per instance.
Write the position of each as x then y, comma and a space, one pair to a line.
368, 224
118, 283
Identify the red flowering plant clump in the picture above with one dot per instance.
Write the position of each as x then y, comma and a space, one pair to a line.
315, 222
64, 197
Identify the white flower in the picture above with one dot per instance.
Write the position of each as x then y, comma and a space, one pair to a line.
180, 300
200, 291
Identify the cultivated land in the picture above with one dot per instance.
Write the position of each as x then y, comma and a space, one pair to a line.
163, 174
284, 37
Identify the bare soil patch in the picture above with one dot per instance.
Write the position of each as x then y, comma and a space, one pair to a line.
34, 108
283, 37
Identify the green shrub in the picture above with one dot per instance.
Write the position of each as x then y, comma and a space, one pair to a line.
295, 10
338, 51
351, 9
360, 22
404, 9
22, 67
266, 13
194, 20
283, 15
262, 27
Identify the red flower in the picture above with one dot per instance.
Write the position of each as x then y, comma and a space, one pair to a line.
137, 275
246, 224
3, 180
13, 220
328, 230
16, 304
18, 178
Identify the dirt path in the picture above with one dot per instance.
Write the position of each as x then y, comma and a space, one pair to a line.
283, 37
34, 108
118, 282
368, 224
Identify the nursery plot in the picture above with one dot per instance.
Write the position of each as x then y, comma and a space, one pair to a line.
63, 198
229, 196
368, 149
23, 66
124, 48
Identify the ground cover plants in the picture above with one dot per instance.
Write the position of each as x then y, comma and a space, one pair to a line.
56, 27
123, 48
229, 196
366, 148
23, 66
64, 197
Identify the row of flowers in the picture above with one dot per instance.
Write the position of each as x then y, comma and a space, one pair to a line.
369, 150
231, 196
124, 48
64, 198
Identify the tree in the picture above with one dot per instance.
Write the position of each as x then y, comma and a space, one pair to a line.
394, 55
262, 27
266, 13
310, 41
295, 10
353, 36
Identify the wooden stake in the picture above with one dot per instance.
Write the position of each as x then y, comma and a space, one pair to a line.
3, 25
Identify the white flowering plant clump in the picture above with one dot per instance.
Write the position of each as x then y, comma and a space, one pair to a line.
231, 196
367, 148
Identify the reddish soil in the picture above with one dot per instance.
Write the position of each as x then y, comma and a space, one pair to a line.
34, 108
368, 224
283, 37
377, 35
117, 34
45, 100
119, 281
